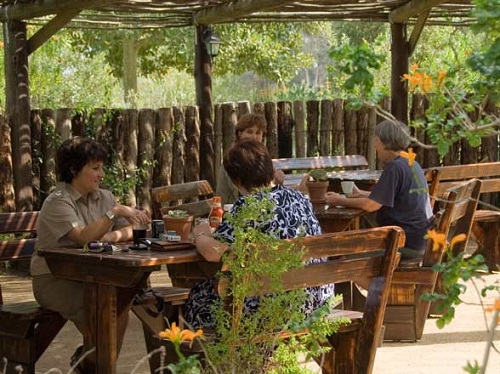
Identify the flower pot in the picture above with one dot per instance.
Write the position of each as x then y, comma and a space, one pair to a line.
181, 225
317, 191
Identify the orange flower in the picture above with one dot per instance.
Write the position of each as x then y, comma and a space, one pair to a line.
441, 76
410, 156
438, 239
495, 306
426, 85
458, 239
176, 335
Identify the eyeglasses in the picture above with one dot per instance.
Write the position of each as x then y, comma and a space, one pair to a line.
97, 247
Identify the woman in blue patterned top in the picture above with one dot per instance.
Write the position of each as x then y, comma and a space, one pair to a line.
250, 167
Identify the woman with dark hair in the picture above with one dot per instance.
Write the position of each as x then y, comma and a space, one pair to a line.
76, 212
250, 168
249, 127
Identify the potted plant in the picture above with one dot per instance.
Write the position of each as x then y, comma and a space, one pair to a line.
317, 185
179, 221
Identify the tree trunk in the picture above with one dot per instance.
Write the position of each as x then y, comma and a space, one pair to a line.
130, 48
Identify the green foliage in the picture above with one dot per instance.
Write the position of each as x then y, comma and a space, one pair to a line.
60, 76
159, 50
318, 175
358, 62
454, 269
486, 60
251, 342
271, 50
177, 213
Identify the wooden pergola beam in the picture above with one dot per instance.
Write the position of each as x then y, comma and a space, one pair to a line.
417, 31
234, 10
49, 29
412, 9
40, 8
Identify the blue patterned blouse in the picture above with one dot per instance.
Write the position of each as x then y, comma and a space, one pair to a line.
293, 217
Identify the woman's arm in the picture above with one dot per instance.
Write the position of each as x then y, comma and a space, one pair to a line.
209, 247
365, 203
99, 228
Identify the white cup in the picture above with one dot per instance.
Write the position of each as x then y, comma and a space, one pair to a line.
347, 187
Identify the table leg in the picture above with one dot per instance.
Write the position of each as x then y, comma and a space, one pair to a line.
489, 242
334, 225
106, 323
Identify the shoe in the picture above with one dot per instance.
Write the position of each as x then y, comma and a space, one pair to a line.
81, 367
76, 356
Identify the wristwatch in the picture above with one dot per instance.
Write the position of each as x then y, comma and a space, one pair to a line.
110, 215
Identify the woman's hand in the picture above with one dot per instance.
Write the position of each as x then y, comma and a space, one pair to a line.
132, 215
334, 199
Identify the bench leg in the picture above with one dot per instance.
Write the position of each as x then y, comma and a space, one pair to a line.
151, 325
487, 237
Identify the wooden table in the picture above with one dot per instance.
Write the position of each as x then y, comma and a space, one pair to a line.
107, 275
335, 219
364, 179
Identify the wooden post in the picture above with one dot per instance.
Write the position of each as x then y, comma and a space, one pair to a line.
145, 142
178, 160
338, 142
399, 60
312, 115
192, 148
6, 182
300, 123
218, 139
17, 99
325, 128
271, 113
163, 147
48, 146
203, 81
285, 129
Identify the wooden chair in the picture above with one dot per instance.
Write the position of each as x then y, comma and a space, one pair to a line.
370, 253
26, 329
406, 312
486, 224
194, 197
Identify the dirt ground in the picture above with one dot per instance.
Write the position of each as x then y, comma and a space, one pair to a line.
16, 287
439, 351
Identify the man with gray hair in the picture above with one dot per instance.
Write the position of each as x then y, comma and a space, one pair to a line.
400, 196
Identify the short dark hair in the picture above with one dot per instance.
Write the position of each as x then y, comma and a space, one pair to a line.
75, 153
250, 120
394, 135
249, 164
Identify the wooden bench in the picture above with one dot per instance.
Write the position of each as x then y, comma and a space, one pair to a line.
194, 197
486, 226
26, 329
295, 168
369, 253
406, 312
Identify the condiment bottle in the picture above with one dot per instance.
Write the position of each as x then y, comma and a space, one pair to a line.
216, 214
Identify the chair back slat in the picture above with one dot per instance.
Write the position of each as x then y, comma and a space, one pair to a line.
348, 256
166, 198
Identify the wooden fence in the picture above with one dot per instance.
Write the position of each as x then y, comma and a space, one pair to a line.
161, 147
